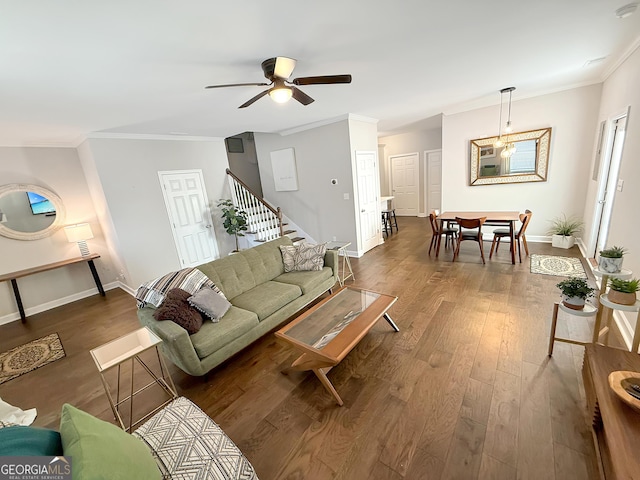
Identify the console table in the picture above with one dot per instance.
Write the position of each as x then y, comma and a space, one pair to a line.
616, 426
13, 276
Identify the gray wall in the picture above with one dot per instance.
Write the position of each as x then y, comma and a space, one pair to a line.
245, 165
322, 154
59, 170
127, 170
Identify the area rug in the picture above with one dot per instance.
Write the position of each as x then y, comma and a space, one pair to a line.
26, 358
558, 266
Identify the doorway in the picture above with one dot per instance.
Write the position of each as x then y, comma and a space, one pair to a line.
368, 188
433, 181
188, 209
405, 181
610, 157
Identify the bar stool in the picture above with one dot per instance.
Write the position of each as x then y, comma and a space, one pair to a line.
588, 311
389, 220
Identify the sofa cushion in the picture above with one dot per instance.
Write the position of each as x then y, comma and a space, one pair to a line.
234, 274
102, 451
176, 308
27, 441
305, 280
267, 297
188, 444
213, 336
266, 260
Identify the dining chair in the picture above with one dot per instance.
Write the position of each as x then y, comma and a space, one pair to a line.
501, 233
450, 233
470, 233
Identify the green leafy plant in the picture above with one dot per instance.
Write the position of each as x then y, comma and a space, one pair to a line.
575, 287
624, 286
235, 221
565, 226
613, 252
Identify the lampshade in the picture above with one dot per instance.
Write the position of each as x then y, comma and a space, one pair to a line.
78, 233
280, 94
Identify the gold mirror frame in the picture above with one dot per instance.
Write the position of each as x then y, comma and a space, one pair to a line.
543, 137
45, 192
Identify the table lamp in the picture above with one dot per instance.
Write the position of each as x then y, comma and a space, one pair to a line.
79, 233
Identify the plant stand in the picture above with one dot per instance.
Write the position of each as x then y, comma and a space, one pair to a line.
588, 311
623, 274
608, 307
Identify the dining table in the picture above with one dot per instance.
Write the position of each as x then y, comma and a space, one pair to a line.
508, 219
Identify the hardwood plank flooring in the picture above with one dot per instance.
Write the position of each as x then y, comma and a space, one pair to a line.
465, 389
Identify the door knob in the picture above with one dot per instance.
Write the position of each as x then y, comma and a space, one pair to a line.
208, 226
362, 211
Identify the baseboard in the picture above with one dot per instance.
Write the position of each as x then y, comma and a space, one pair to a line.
11, 317
126, 288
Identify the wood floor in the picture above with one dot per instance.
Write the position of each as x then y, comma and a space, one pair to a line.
465, 390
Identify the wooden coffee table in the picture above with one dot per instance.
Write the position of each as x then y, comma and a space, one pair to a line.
328, 331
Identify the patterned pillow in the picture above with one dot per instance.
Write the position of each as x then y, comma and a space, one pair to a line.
188, 279
303, 257
177, 309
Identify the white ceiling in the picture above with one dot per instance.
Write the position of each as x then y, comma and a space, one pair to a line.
69, 68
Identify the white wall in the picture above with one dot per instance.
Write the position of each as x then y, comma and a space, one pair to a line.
411, 142
127, 170
319, 207
59, 170
572, 114
245, 165
620, 91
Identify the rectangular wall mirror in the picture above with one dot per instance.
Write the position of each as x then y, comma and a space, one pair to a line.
524, 157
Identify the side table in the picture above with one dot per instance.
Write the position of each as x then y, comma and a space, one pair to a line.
588, 311
341, 247
129, 348
608, 307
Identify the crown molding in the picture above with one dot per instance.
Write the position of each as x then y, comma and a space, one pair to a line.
145, 136
613, 66
328, 121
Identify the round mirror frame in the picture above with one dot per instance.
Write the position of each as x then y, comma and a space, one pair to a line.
45, 192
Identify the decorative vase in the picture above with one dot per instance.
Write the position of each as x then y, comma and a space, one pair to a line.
562, 241
621, 298
610, 265
574, 303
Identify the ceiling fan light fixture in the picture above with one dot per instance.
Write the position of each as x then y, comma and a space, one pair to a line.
280, 94
627, 10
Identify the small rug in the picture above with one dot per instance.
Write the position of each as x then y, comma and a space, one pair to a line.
558, 266
28, 357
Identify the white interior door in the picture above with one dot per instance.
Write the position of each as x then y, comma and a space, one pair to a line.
405, 184
434, 181
368, 199
188, 209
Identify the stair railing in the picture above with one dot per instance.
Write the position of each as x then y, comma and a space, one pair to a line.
263, 220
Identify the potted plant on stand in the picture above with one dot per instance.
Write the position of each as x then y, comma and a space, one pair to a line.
235, 221
623, 292
575, 292
562, 231
610, 260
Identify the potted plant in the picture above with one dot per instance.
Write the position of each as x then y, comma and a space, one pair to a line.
610, 260
575, 292
235, 221
562, 231
623, 292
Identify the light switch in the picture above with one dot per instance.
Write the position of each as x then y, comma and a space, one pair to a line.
620, 184
346, 196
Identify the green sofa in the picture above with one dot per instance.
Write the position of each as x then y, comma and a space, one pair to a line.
262, 297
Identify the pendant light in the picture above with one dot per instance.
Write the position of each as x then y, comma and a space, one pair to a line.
509, 147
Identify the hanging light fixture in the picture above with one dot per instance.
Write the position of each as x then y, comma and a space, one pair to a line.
509, 147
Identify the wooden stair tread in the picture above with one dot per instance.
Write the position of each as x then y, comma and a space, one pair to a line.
297, 239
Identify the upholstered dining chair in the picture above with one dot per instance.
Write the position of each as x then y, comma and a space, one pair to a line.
450, 233
501, 233
470, 233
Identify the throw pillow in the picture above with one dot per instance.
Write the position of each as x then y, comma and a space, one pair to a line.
26, 441
177, 309
102, 451
189, 279
303, 257
210, 303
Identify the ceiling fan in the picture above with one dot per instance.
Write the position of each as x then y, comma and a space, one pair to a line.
278, 70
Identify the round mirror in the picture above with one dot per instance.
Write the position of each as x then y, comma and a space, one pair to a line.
29, 212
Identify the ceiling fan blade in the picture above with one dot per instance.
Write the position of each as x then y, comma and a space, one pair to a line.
300, 96
254, 99
284, 67
240, 85
322, 80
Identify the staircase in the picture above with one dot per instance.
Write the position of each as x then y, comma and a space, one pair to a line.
264, 221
